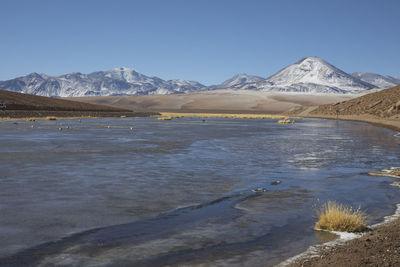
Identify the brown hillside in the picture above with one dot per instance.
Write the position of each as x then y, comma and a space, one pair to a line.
18, 101
383, 104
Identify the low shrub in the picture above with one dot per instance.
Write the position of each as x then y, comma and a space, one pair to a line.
334, 216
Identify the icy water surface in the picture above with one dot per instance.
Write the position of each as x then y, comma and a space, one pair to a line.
180, 192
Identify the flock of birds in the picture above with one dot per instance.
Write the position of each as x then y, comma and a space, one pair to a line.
257, 190
67, 126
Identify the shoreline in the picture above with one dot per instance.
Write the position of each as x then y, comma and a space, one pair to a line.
347, 249
44, 114
378, 247
390, 124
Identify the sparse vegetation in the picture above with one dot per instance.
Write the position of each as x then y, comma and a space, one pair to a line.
334, 216
389, 172
382, 104
286, 121
396, 184
165, 118
224, 115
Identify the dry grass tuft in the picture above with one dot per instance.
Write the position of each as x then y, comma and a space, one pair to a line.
224, 115
51, 118
286, 121
334, 216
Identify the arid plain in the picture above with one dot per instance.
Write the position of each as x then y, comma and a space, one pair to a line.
237, 101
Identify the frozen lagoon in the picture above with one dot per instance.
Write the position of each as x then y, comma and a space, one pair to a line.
179, 192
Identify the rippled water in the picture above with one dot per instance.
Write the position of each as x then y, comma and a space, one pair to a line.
179, 192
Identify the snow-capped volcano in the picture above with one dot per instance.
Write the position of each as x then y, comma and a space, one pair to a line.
316, 71
380, 81
119, 81
311, 75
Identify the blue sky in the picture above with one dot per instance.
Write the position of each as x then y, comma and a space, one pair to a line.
204, 40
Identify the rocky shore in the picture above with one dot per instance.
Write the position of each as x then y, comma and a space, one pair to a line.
380, 247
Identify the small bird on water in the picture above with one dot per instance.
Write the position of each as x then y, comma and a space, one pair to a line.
275, 182
259, 190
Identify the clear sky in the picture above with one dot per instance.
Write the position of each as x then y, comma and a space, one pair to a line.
204, 40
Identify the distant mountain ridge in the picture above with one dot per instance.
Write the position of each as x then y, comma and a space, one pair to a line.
380, 81
119, 81
237, 80
308, 75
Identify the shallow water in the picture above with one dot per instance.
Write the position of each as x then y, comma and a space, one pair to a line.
179, 192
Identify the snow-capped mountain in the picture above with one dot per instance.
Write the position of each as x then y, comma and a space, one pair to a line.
119, 81
311, 75
237, 81
380, 81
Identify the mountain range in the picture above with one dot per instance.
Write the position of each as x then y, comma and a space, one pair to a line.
309, 75
119, 81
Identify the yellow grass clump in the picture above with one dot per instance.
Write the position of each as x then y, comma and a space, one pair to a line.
334, 216
164, 118
396, 184
389, 172
51, 118
223, 115
286, 121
